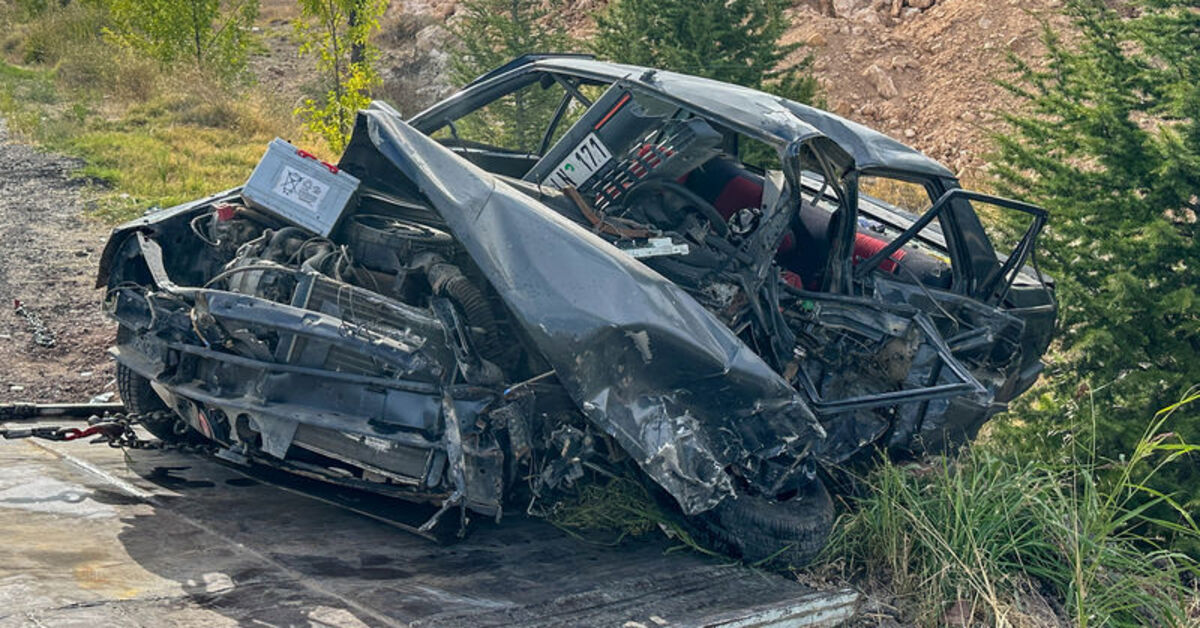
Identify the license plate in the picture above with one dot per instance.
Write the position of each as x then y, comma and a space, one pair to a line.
580, 165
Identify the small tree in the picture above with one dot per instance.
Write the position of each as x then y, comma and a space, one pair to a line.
491, 33
736, 41
338, 32
1110, 144
213, 38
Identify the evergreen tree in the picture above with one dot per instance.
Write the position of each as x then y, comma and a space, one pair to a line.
491, 33
1111, 146
736, 41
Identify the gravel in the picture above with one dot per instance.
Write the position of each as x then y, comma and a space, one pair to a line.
49, 251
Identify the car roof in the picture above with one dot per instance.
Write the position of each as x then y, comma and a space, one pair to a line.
785, 120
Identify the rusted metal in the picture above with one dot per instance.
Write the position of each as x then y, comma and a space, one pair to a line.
43, 336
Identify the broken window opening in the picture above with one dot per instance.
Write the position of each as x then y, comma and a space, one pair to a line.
510, 132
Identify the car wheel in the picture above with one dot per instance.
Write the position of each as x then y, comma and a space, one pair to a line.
139, 398
754, 528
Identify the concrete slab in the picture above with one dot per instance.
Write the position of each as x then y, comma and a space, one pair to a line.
97, 536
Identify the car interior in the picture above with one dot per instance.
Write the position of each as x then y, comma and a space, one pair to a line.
689, 160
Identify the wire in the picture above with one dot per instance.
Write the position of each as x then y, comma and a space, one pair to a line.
247, 268
196, 328
196, 230
296, 256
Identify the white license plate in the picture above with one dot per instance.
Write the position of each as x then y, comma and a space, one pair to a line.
580, 165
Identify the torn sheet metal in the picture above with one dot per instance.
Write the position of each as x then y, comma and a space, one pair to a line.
459, 334
686, 401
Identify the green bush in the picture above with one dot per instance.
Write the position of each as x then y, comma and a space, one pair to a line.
1108, 140
490, 33
70, 39
98, 67
338, 33
150, 135
209, 36
55, 33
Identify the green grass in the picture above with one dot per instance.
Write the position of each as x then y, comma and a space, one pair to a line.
165, 153
148, 136
995, 536
8, 71
1002, 537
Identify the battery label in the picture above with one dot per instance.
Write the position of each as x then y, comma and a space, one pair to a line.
300, 188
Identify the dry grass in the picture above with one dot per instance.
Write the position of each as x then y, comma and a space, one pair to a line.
149, 136
277, 12
910, 197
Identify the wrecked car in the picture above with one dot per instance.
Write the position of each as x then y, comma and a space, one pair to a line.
668, 274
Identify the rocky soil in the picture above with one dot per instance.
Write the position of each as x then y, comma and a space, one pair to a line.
49, 252
922, 71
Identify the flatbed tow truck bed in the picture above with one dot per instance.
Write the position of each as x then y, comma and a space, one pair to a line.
96, 536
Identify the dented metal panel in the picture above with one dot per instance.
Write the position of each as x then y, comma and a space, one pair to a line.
681, 393
480, 342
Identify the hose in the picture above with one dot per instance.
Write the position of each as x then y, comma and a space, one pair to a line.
278, 243
448, 280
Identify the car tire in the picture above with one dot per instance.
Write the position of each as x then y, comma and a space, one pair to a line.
139, 398
758, 529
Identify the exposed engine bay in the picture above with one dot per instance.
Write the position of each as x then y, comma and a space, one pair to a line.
461, 337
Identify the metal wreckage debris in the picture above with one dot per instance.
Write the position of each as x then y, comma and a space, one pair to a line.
682, 280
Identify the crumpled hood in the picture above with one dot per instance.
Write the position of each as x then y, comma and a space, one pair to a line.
644, 361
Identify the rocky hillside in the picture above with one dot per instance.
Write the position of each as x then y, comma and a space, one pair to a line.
922, 71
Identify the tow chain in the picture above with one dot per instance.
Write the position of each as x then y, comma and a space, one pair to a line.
114, 429
43, 336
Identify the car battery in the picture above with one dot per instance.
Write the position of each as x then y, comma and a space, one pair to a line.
296, 186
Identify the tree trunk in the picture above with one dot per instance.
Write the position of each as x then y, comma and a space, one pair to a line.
358, 47
196, 41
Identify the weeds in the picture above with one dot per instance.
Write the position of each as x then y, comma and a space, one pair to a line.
149, 136
619, 505
987, 538
992, 533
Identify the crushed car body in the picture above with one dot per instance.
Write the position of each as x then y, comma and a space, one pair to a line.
675, 276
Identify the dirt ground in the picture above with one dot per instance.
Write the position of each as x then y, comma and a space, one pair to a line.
927, 77
49, 252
